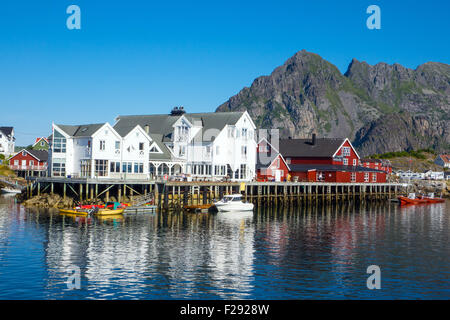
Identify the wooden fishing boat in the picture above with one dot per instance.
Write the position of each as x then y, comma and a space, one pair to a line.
407, 200
198, 207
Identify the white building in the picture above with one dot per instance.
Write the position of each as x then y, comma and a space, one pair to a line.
434, 175
198, 145
7, 141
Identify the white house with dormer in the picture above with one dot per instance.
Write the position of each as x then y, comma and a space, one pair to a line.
209, 146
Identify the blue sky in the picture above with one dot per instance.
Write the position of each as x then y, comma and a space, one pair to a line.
143, 57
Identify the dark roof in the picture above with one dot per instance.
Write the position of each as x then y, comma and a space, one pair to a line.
323, 148
329, 167
445, 157
162, 123
6, 130
161, 127
83, 130
42, 155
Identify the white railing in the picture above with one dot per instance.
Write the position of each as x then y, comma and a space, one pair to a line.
21, 167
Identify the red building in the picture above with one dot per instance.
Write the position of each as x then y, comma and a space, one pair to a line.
378, 164
29, 163
327, 160
270, 164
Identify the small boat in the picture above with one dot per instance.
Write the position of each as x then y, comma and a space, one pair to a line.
111, 208
11, 190
198, 207
412, 199
76, 212
233, 203
432, 199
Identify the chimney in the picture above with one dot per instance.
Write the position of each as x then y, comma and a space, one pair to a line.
313, 140
177, 111
147, 128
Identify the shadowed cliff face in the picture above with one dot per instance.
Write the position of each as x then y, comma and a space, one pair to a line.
381, 108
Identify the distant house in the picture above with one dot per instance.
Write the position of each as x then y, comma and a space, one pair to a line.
407, 175
270, 164
28, 163
447, 175
41, 143
7, 141
434, 175
443, 160
327, 160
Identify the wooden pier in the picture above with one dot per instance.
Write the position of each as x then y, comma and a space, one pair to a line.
176, 195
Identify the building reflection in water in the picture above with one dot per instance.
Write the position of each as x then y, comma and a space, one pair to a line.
306, 252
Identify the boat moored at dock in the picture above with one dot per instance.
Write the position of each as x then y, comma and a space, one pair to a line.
233, 203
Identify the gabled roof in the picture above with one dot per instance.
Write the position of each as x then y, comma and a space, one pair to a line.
7, 130
40, 155
323, 147
162, 123
84, 130
39, 139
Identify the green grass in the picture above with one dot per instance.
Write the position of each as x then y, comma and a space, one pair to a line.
418, 154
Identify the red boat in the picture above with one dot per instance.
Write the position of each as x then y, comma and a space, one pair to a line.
412, 199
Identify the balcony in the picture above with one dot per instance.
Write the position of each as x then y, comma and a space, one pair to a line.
29, 168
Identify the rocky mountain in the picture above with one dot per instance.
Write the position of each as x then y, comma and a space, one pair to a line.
381, 108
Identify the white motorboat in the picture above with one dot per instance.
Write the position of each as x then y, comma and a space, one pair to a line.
11, 190
233, 203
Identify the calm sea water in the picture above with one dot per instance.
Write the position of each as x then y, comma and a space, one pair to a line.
304, 253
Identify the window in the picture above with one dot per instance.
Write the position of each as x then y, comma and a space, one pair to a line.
354, 162
230, 132
244, 152
374, 177
102, 145
31, 163
353, 177
24, 153
138, 167
244, 133
42, 143
16, 162
208, 150
182, 151
345, 161
114, 167
59, 142
85, 168
346, 151
366, 177
141, 146
243, 171
117, 145
59, 169
127, 167
101, 168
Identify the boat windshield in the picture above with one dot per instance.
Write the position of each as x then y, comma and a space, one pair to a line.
231, 198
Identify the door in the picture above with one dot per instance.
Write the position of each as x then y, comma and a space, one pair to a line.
24, 164
278, 175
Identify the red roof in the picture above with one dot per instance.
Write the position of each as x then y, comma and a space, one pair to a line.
445, 158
